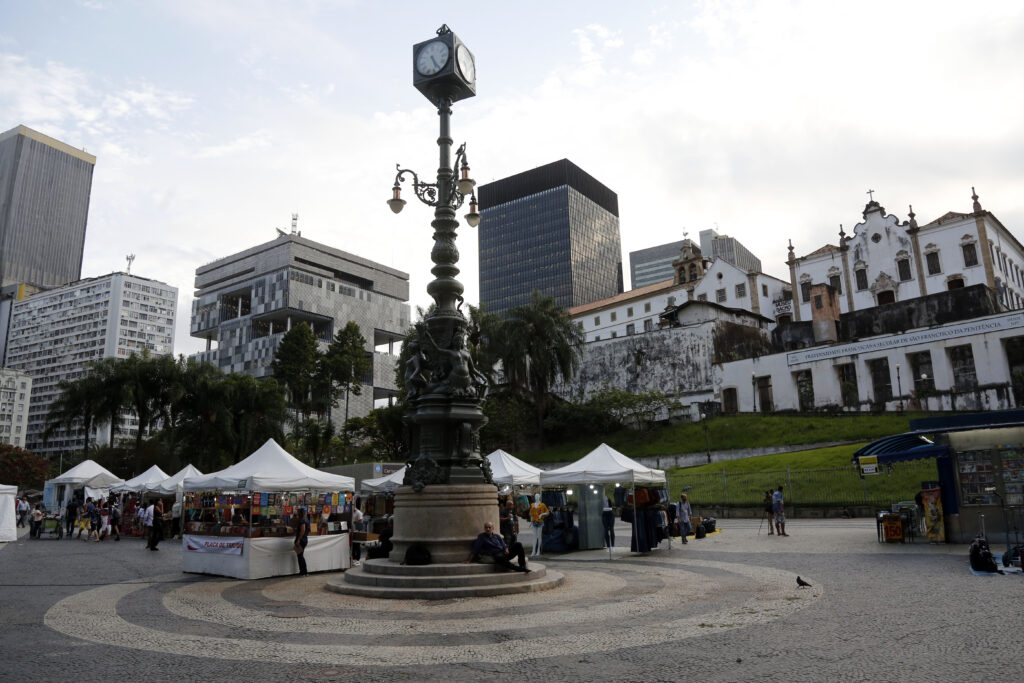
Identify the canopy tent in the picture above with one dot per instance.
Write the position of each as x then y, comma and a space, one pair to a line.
384, 484
88, 474
270, 468
509, 470
8, 516
138, 484
603, 465
173, 485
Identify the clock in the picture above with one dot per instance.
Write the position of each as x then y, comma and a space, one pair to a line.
443, 69
432, 57
466, 64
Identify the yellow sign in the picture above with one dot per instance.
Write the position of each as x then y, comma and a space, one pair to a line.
869, 464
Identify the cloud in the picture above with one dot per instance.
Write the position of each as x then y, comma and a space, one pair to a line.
247, 143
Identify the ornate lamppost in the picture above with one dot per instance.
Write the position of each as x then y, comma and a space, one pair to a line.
447, 493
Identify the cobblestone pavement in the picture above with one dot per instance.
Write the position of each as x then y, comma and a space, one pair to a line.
725, 608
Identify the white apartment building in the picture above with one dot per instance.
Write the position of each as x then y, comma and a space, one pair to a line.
696, 279
15, 390
885, 260
54, 334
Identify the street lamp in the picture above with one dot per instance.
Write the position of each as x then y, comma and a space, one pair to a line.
753, 390
448, 492
707, 442
899, 385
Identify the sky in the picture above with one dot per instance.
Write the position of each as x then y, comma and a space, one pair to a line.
768, 121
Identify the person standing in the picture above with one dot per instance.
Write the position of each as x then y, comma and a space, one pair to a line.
176, 519
538, 513
508, 523
92, 524
779, 510
608, 522
684, 517
104, 521
146, 518
35, 528
769, 511
71, 516
301, 539
115, 521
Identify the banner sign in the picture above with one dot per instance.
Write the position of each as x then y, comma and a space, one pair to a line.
895, 341
212, 544
869, 464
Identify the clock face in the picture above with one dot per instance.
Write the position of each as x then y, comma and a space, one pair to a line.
466, 65
432, 58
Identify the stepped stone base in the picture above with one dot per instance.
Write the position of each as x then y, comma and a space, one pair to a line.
385, 579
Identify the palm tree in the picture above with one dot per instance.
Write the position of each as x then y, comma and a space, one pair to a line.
538, 344
77, 405
257, 412
114, 396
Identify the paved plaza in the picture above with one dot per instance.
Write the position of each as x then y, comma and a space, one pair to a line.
724, 608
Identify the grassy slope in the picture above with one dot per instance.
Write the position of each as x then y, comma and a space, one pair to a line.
730, 433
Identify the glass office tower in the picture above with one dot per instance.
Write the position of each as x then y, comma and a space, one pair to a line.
554, 229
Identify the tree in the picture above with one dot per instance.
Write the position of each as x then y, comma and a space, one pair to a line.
295, 366
77, 406
256, 411
141, 380
22, 468
538, 344
342, 368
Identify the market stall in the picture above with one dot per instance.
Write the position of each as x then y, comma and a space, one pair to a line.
8, 516
605, 465
138, 484
239, 521
383, 484
88, 475
508, 470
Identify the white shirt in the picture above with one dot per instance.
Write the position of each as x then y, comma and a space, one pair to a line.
147, 516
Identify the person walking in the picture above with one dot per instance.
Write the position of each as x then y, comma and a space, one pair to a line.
779, 510
92, 521
684, 517
104, 521
23, 509
156, 517
115, 521
301, 539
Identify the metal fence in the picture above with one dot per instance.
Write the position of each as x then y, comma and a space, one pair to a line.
834, 486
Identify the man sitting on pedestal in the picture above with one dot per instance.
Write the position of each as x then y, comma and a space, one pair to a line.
489, 544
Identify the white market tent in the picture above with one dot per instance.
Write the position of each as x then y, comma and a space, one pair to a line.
603, 465
8, 517
383, 484
173, 485
270, 468
509, 470
89, 475
138, 484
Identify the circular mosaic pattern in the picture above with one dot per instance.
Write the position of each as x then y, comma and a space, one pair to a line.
603, 606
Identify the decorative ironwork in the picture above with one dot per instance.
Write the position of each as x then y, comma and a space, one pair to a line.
440, 193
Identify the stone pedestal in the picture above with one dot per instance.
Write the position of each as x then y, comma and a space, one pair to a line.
445, 518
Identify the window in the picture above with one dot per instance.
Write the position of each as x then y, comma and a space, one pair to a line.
764, 290
932, 259
614, 334
597, 337
629, 312
702, 297
886, 297
903, 269
834, 282
817, 301
955, 283
880, 380
631, 329
741, 291
805, 292
848, 384
648, 325
921, 369
804, 389
647, 307
720, 295
597, 320
961, 358
970, 255
861, 275
693, 272
614, 316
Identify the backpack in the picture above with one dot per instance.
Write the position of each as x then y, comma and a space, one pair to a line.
699, 532
981, 557
417, 555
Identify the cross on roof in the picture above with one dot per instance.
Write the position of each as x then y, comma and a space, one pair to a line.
871, 195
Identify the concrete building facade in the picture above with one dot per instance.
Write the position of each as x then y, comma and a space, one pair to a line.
728, 249
554, 229
45, 187
246, 302
15, 393
55, 333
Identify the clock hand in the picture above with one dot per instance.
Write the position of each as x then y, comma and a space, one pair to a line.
436, 65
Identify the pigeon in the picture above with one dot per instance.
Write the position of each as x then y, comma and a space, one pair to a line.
801, 583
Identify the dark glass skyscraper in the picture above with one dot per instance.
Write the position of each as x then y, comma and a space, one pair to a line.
554, 229
44, 205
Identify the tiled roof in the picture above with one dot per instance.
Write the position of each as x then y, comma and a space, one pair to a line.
632, 294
